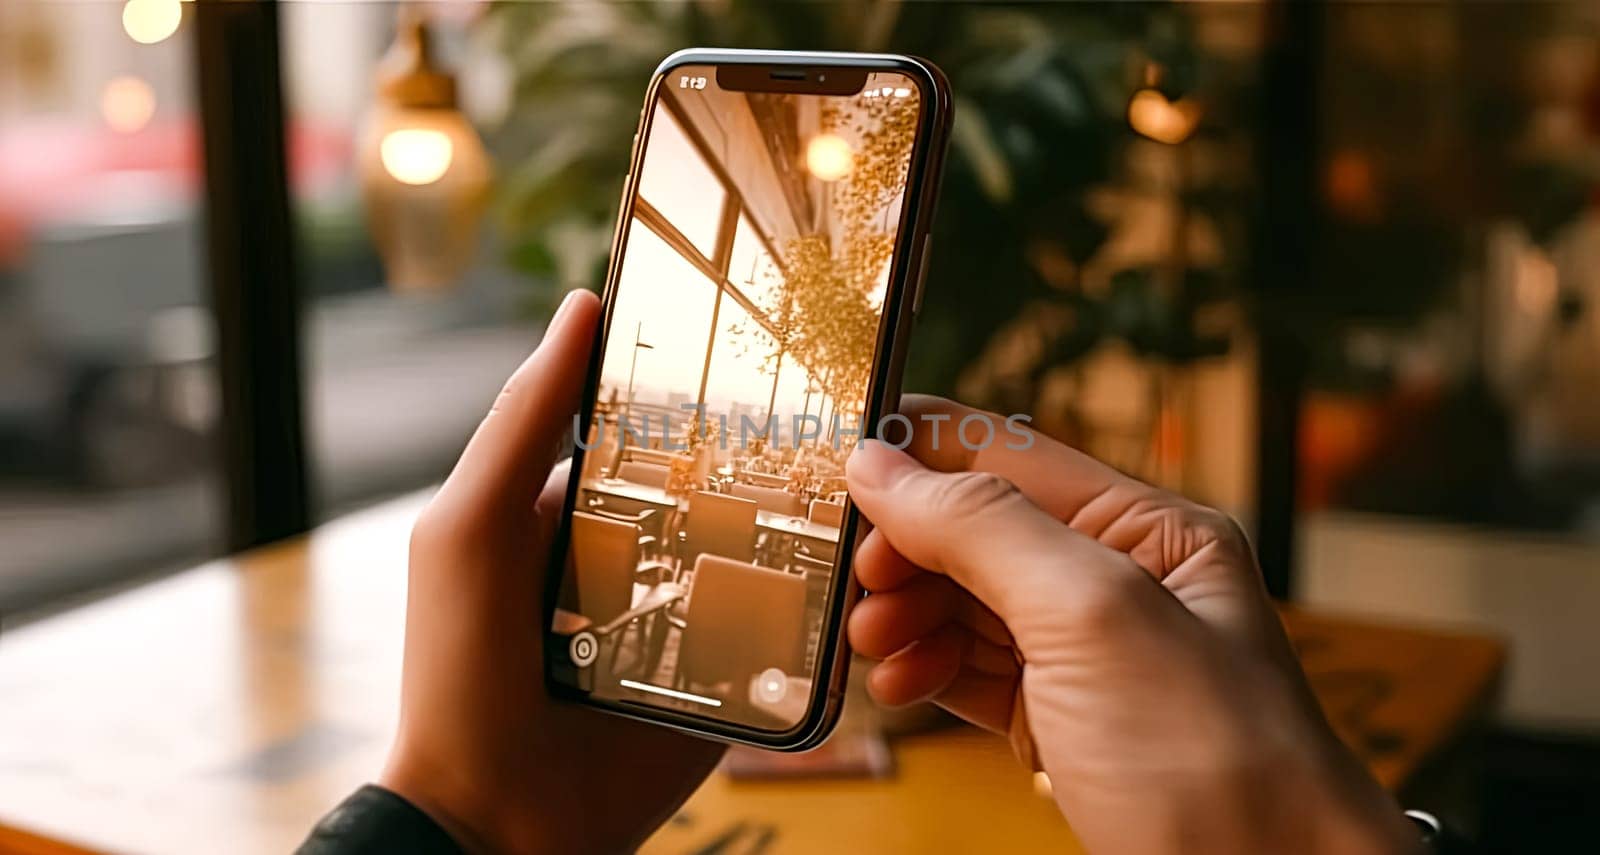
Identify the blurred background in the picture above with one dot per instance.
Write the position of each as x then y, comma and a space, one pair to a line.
1333, 267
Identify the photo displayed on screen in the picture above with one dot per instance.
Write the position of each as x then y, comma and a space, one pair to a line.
733, 381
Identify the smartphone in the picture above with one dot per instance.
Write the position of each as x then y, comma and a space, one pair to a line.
764, 274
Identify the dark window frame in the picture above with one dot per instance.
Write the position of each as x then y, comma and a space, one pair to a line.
252, 276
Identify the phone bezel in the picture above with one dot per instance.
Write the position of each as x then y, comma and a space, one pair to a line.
923, 176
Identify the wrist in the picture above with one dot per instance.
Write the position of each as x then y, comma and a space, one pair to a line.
1357, 815
470, 811
425, 794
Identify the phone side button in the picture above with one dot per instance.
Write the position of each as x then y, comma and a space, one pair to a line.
622, 205
622, 200
922, 275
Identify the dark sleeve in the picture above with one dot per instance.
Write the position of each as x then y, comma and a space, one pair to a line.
373, 820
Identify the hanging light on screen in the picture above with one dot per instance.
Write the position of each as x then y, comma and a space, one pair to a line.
425, 175
829, 157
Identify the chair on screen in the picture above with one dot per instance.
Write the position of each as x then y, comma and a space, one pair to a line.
607, 555
827, 513
769, 499
718, 524
741, 620
648, 521
638, 472
831, 486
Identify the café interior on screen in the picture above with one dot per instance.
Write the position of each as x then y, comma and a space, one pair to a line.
732, 384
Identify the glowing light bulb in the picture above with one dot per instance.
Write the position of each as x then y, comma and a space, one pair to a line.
150, 21
127, 104
416, 156
829, 157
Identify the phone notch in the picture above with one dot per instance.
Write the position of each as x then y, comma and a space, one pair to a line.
797, 79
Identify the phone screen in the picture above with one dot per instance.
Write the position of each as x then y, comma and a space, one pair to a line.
705, 540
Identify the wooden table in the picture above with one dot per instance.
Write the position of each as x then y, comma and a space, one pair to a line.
225, 708
645, 494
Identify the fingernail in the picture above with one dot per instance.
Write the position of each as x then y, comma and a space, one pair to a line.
876, 464
553, 328
561, 310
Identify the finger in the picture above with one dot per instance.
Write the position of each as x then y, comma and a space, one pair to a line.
921, 671
976, 651
878, 567
510, 454
981, 698
1064, 482
882, 624
1157, 527
950, 523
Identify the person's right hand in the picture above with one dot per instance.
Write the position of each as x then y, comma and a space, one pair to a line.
1119, 634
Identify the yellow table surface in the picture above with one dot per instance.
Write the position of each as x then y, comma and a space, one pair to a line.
225, 708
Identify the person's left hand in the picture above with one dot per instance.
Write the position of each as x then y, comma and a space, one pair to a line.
481, 747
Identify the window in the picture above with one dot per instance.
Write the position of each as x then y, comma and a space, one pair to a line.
742, 364
752, 268
666, 302
677, 182
108, 400
396, 378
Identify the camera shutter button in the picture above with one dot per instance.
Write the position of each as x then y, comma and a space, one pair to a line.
584, 649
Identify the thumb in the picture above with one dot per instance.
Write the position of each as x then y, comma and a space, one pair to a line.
510, 454
982, 532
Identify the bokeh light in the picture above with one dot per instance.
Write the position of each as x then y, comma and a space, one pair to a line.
127, 104
151, 21
1153, 116
829, 157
